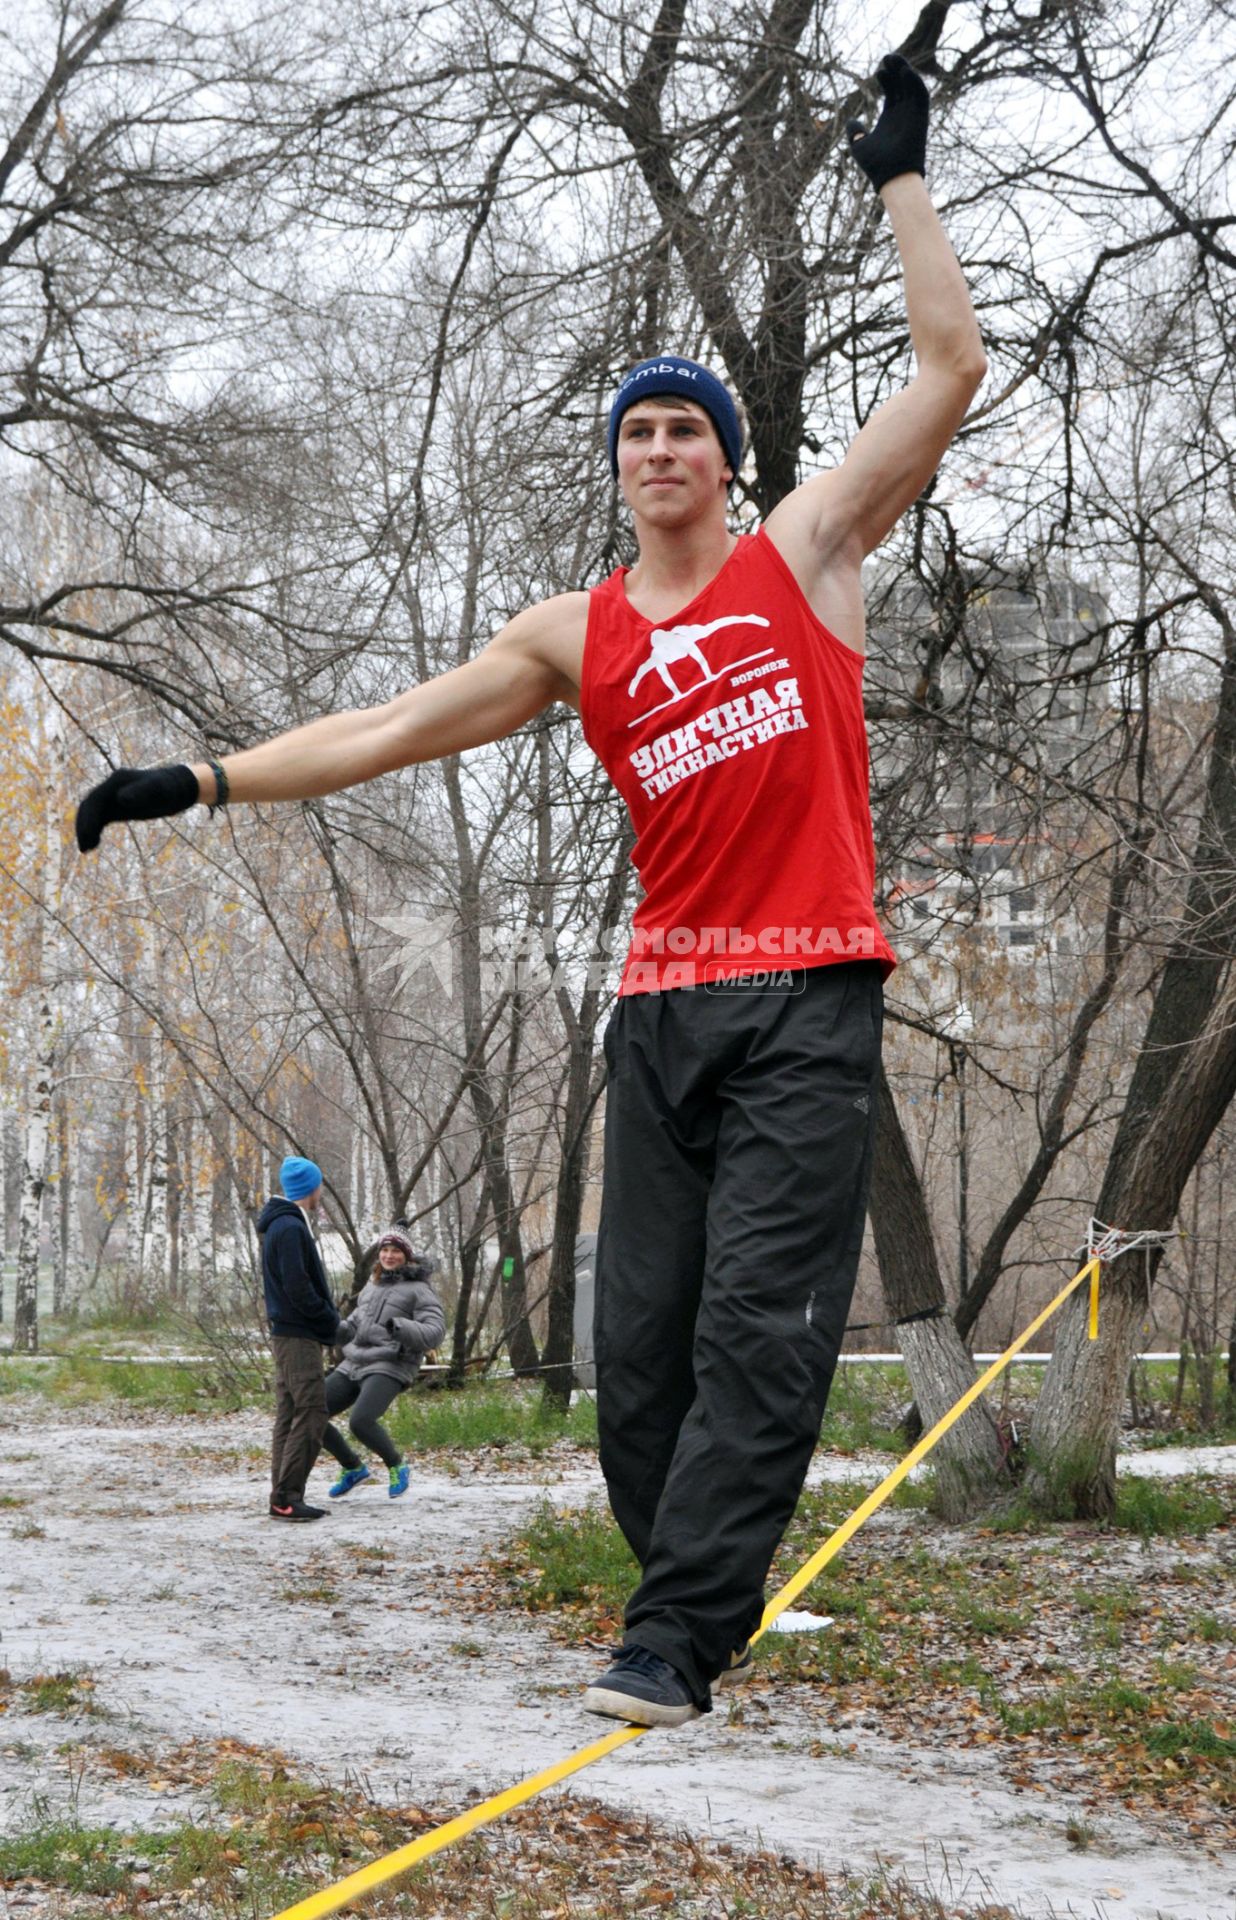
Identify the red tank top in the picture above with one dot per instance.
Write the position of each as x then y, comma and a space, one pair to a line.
735, 734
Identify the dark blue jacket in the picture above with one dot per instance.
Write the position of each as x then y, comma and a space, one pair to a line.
298, 1299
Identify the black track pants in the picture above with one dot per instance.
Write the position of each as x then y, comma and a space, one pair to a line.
368, 1398
738, 1136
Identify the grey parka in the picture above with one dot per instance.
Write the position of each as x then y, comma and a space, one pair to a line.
398, 1319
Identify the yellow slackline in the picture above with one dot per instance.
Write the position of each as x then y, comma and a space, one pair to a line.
378, 1872
848, 1528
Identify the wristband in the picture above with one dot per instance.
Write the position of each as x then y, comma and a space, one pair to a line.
221, 786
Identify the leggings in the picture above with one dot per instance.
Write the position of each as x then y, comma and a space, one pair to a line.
372, 1396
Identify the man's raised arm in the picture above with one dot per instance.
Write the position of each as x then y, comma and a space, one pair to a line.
844, 514
522, 671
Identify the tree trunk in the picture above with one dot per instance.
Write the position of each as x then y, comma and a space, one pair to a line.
157, 1244
491, 1117
582, 1094
75, 1242
1204, 1367
60, 1208
134, 1200
1077, 1419
558, 1360
177, 1276
182, 1216
69, 1256
245, 1285
12, 1178
47, 1044
33, 1180
968, 1460
199, 1209
470, 1256
490, 1107
1182, 1083
1072, 1471
1195, 967
518, 1335
8, 1237
359, 1198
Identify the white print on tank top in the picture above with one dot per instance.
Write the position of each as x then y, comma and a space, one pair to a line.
670, 644
735, 726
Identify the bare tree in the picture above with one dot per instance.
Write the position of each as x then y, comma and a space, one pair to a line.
364, 485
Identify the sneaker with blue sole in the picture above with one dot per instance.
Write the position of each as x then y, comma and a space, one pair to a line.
350, 1477
644, 1689
399, 1478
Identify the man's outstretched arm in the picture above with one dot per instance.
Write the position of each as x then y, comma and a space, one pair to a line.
840, 516
520, 673
894, 456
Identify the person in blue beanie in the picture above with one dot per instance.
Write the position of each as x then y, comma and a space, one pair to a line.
719, 681
303, 1319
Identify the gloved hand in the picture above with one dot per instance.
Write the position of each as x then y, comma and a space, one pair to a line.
898, 141
345, 1332
411, 1333
134, 793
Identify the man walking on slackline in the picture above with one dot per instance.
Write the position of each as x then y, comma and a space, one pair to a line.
738, 1121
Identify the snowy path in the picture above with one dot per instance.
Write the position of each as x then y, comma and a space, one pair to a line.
158, 1571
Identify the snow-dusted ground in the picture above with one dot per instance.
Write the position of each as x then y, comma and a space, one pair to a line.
158, 1571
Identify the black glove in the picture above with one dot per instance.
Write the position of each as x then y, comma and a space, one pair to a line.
134, 793
898, 141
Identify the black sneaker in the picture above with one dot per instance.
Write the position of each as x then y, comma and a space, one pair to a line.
295, 1510
642, 1688
741, 1667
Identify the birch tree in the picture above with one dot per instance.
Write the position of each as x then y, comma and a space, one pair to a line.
582, 190
46, 779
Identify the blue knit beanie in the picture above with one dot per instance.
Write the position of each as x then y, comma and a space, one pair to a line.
670, 373
299, 1178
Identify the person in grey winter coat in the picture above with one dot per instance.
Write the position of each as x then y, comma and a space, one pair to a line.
397, 1320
